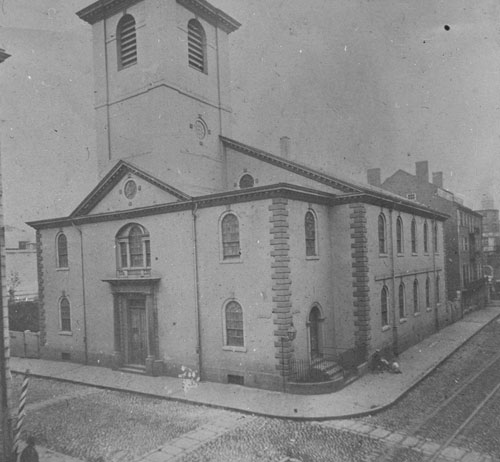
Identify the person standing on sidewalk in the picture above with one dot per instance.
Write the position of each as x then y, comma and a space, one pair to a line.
29, 453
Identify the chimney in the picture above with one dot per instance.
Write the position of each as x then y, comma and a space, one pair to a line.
285, 147
487, 203
422, 171
437, 179
373, 176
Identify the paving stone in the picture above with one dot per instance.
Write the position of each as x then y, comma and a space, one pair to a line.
473, 457
158, 456
184, 443
202, 435
379, 433
171, 450
430, 448
361, 428
395, 437
410, 442
343, 423
453, 453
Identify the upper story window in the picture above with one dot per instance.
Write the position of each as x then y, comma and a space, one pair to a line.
65, 314
234, 324
401, 300
310, 227
384, 311
126, 41
426, 237
416, 304
435, 237
427, 292
133, 247
230, 230
437, 288
382, 241
197, 47
413, 232
399, 235
246, 181
62, 251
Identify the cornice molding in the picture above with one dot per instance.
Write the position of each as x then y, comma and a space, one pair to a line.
101, 9
3, 55
211, 14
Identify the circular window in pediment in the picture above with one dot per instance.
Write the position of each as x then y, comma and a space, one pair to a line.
130, 189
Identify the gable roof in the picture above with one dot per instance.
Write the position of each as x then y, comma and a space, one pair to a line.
346, 186
112, 178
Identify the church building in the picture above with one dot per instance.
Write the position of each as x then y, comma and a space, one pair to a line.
197, 250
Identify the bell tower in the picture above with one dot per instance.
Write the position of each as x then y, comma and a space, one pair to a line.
162, 84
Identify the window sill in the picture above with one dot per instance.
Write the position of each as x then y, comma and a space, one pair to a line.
63, 269
417, 314
428, 310
402, 320
231, 261
383, 255
312, 257
400, 254
66, 333
414, 254
235, 349
385, 328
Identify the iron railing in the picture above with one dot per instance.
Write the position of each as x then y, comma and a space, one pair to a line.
310, 371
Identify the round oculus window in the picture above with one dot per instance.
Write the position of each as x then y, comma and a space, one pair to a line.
201, 129
130, 189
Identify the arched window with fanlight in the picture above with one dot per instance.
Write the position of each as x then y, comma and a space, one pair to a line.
399, 236
310, 231
233, 318
126, 41
402, 301
134, 248
62, 251
230, 230
413, 232
65, 314
382, 234
384, 306
197, 46
416, 301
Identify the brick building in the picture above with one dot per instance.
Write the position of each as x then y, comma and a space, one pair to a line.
462, 231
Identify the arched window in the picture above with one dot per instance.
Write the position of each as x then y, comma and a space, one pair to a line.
435, 236
310, 228
65, 314
382, 244
230, 237
426, 237
234, 324
246, 181
384, 312
401, 299
126, 41
134, 247
399, 235
416, 304
413, 232
437, 289
62, 251
427, 292
197, 48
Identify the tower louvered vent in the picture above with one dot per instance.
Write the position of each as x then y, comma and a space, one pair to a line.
196, 46
127, 41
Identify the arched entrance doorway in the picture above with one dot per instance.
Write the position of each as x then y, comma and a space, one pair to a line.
315, 333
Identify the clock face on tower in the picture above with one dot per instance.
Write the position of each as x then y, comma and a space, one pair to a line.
130, 189
201, 129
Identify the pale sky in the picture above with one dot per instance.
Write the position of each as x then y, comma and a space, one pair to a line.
355, 84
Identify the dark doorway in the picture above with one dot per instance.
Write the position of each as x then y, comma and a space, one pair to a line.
314, 333
137, 330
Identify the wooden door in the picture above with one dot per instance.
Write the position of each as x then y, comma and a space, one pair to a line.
137, 330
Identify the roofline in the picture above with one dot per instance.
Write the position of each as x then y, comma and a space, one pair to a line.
238, 196
346, 187
106, 183
3, 55
101, 9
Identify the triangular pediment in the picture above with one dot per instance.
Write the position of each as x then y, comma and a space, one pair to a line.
127, 187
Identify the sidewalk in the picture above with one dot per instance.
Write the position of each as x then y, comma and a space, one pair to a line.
368, 394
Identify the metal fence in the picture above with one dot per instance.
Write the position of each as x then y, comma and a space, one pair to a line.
303, 370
